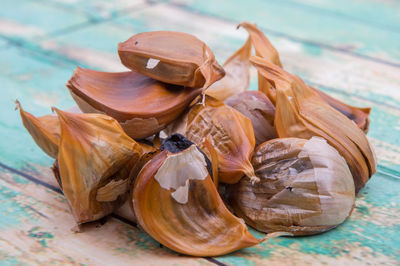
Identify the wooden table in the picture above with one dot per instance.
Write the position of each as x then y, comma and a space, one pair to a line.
349, 49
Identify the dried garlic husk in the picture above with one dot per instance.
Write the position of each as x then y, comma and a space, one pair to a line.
94, 160
360, 116
230, 133
176, 202
45, 130
237, 75
301, 112
259, 109
141, 105
305, 188
266, 50
171, 57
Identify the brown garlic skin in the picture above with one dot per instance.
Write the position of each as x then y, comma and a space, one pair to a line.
267, 51
305, 188
95, 157
177, 203
259, 109
142, 106
229, 132
237, 77
301, 112
171, 57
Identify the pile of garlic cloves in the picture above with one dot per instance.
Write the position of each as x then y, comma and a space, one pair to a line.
181, 140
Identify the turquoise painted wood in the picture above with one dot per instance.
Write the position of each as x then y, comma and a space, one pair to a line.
348, 49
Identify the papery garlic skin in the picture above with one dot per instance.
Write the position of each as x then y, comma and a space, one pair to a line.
259, 109
229, 132
237, 77
305, 188
301, 112
177, 203
94, 161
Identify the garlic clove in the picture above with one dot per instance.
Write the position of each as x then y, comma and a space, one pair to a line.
301, 112
94, 159
305, 188
171, 57
259, 109
230, 133
176, 202
237, 77
140, 104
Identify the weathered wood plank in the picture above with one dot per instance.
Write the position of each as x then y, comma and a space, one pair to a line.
35, 229
98, 9
374, 13
280, 18
373, 225
28, 19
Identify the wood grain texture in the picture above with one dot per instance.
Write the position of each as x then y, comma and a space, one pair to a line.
348, 49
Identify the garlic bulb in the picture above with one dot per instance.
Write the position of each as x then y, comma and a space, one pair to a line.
259, 109
177, 203
301, 112
171, 57
305, 188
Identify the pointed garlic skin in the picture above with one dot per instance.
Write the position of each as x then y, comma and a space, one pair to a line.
237, 75
360, 116
143, 106
259, 109
302, 112
230, 133
176, 202
95, 156
305, 188
45, 130
266, 50
171, 57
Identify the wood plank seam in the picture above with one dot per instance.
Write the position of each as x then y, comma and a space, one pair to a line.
59, 191
290, 37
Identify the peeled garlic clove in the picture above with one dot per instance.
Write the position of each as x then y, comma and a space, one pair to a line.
45, 130
237, 75
305, 188
259, 109
94, 160
140, 104
176, 202
171, 57
230, 133
301, 112
360, 116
